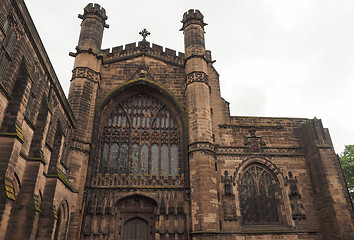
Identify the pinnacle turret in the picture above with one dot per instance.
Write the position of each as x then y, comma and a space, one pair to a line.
94, 9
193, 16
92, 25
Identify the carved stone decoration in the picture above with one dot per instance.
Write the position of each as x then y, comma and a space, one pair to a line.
197, 77
142, 72
83, 72
253, 142
204, 146
228, 198
297, 208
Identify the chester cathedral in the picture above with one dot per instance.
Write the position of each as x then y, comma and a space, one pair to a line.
144, 147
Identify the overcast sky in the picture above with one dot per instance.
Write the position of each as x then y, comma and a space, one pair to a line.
276, 58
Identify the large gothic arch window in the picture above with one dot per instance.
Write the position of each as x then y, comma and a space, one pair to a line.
141, 136
258, 191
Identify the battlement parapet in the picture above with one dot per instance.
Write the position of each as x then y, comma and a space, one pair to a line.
143, 48
193, 16
94, 9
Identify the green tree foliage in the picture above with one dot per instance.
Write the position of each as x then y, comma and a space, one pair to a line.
347, 162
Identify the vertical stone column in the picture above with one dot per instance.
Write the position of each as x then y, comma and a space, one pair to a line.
82, 99
201, 148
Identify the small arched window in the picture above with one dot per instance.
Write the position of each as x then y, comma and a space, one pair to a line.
31, 99
140, 137
258, 196
61, 225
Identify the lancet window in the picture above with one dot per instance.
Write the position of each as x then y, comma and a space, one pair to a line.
140, 137
258, 196
7, 43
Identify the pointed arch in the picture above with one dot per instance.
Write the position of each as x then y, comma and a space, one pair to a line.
262, 192
261, 160
62, 221
136, 212
140, 124
136, 229
258, 189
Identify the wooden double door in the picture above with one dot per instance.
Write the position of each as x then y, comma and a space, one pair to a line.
136, 218
136, 229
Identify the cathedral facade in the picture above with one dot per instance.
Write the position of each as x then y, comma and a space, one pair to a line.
144, 147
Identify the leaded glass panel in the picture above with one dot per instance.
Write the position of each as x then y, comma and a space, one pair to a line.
104, 158
155, 159
135, 159
114, 157
124, 159
174, 160
144, 161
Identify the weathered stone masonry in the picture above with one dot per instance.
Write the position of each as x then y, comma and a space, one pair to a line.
144, 147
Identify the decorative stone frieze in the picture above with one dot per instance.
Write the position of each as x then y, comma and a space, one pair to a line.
197, 77
83, 72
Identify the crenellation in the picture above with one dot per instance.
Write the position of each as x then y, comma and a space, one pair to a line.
130, 46
95, 9
170, 52
157, 48
106, 51
132, 50
117, 49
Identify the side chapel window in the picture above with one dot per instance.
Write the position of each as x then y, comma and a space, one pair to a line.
140, 137
258, 196
8, 44
34, 79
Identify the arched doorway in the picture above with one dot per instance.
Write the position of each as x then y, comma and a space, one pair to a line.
136, 217
136, 229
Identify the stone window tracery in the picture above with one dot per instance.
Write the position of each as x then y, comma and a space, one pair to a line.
34, 76
258, 196
8, 44
140, 137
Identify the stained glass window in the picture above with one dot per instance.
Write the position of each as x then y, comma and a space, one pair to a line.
8, 44
258, 196
140, 137
31, 98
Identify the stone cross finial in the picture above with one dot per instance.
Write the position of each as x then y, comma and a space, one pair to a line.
144, 33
